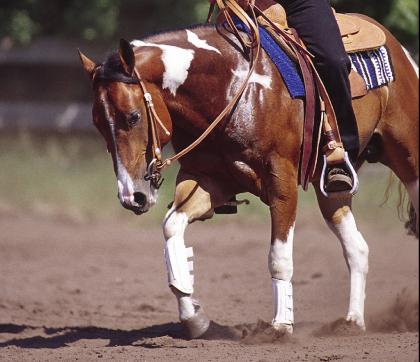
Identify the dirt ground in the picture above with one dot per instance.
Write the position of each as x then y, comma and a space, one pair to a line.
87, 291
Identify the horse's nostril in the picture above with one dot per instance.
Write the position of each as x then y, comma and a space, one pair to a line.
140, 198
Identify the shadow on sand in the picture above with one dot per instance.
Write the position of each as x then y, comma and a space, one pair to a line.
258, 333
62, 337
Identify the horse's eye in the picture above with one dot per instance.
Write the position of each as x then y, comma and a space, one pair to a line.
133, 118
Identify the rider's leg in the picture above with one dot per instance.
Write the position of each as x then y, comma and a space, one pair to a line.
316, 25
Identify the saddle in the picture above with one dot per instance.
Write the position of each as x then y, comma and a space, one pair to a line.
357, 34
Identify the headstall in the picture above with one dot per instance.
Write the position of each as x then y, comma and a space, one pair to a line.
251, 45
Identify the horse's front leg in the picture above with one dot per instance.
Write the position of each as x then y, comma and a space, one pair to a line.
339, 217
192, 202
283, 203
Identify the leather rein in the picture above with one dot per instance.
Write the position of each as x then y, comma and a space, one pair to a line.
251, 44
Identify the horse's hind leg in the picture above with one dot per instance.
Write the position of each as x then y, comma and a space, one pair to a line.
194, 200
399, 129
339, 217
401, 155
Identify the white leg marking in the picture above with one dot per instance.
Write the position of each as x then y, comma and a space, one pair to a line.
177, 62
413, 63
413, 192
280, 262
200, 43
356, 253
176, 254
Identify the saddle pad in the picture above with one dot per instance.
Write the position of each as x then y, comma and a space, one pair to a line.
374, 66
286, 67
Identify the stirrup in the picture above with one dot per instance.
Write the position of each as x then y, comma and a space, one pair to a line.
354, 177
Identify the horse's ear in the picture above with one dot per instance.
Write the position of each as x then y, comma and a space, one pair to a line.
128, 60
88, 65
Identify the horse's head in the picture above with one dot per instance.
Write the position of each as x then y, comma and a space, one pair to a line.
121, 116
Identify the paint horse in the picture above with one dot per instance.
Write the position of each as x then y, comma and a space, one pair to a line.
191, 75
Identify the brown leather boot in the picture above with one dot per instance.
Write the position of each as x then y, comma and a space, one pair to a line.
338, 179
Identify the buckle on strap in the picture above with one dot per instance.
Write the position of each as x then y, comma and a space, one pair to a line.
148, 98
153, 174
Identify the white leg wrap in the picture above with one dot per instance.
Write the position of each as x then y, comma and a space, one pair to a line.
283, 302
178, 266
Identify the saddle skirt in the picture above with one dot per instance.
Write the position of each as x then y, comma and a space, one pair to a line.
357, 33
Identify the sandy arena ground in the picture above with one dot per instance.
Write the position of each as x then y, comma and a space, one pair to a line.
94, 291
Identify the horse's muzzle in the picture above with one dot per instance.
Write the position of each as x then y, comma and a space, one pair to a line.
138, 203
136, 208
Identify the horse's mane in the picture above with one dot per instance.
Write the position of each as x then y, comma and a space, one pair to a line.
111, 70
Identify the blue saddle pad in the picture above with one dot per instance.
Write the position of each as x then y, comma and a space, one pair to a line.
374, 66
285, 66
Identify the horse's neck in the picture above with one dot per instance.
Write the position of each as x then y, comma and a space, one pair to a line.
188, 66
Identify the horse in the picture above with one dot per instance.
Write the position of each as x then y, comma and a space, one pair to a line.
190, 75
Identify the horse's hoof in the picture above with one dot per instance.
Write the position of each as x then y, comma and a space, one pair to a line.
283, 328
197, 325
357, 321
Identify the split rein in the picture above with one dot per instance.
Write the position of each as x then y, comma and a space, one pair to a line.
251, 45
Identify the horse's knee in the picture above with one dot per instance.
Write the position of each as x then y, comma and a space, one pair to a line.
280, 260
174, 223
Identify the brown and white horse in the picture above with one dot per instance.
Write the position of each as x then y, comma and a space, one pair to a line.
191, 75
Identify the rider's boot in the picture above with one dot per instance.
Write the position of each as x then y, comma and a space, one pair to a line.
338, 179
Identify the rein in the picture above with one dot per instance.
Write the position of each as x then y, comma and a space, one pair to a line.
251, 45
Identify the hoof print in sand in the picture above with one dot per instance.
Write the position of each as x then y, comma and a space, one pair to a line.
264, 332
340, 327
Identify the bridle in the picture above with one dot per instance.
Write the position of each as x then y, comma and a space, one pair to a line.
155, 166
251, 45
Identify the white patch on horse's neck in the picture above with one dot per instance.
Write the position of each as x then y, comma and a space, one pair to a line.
263, 80
199, 43
413, 63
177, 62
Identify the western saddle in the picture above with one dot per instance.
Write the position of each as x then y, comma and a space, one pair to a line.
358, 35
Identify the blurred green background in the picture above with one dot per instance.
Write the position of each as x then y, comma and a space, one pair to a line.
52, 162
102, 20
